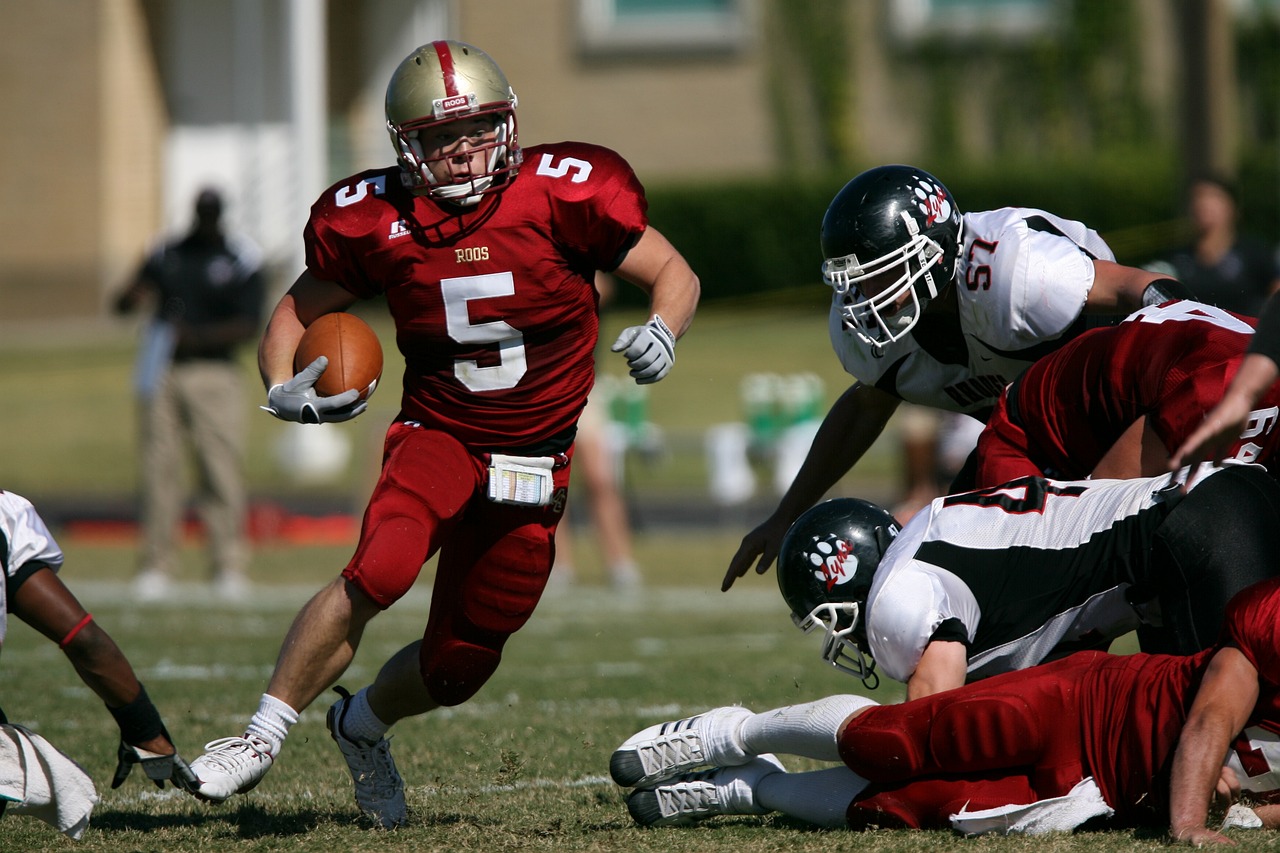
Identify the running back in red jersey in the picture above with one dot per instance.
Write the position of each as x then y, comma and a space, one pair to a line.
353, 350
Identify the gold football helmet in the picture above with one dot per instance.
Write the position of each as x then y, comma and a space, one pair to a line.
442, 82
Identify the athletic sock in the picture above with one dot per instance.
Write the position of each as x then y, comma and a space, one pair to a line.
809, 729
359, 723
820, 797
272, 722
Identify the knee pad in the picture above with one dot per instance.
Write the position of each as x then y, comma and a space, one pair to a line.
392, 551
983, 733
456, 669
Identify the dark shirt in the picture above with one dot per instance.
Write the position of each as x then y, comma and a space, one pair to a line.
1239, 282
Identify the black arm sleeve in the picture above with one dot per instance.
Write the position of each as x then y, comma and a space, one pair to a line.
1266, 340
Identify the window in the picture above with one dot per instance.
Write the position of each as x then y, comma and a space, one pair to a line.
610, 27
914, 19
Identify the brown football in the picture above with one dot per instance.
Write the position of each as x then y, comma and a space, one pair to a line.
353, 350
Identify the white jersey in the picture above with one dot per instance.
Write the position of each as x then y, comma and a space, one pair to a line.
25, 542
1021, 284
1053, 563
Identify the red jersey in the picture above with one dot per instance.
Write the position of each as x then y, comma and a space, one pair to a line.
494, 305
1171, 363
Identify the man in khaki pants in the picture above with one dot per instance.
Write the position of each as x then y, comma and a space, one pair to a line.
207, 289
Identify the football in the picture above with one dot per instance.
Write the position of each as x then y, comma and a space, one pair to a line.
353, 350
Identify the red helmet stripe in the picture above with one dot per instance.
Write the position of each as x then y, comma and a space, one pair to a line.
445, 55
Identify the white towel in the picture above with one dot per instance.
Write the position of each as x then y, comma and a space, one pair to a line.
40, 781
1057, 814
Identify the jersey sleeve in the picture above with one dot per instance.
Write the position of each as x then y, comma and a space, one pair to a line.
600, 211
1040, 270
904, 614
28, 542
340, 227
1250, 624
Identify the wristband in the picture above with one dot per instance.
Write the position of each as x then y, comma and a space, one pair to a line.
1163, 289
139, 721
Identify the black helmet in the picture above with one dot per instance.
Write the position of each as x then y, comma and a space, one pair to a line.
825, 567
887, 218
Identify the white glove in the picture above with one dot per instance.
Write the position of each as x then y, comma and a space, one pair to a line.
650, 350
297, 400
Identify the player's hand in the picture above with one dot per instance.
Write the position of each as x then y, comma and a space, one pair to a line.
297, 400
1215, 435
650, 350
159, 768
1199, 836
760, 546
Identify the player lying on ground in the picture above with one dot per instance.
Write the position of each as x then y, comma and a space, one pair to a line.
1003, 578
1137, 740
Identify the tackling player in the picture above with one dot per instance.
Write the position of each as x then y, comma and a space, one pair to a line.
940, 309
486, 256
1002, 578
1165, 365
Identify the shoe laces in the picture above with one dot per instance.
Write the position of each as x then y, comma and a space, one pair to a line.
230, 754
675, 749
692, 794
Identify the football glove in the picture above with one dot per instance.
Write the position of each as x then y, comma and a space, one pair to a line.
159, 768
650, 350
297, 400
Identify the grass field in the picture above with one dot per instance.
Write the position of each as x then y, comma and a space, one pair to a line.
523, 766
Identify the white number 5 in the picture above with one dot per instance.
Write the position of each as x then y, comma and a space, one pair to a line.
511, 366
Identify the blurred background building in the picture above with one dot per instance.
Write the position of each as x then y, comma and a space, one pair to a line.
119, 109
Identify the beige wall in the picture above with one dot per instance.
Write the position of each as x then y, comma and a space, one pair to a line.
79, 164
679, 116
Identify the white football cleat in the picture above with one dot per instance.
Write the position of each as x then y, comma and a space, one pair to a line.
694, 796
669, 749
379, 787
231, 765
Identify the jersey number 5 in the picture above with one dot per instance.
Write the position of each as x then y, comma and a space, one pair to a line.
508, 340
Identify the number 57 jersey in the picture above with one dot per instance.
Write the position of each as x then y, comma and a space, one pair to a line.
495, 306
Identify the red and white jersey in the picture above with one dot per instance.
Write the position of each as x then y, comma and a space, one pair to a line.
25, 542
494, 306
1023, 572
1021, 284
1170, 363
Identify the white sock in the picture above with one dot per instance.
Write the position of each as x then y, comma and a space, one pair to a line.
272, 722
820, 797
808, 729
359, 723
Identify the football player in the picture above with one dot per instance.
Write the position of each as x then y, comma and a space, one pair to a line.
1136, 739
941, 309
35, 594
1160, 370
1000, 579
486, 256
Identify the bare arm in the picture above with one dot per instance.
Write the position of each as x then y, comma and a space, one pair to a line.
1219, 711
655, 266
45, 603
852, 425
942, 667
307, 299
1118, 289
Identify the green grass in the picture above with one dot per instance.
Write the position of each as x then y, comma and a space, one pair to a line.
523, 766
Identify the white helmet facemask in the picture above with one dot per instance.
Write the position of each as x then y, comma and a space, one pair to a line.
880, 320
839, 646
501, 157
